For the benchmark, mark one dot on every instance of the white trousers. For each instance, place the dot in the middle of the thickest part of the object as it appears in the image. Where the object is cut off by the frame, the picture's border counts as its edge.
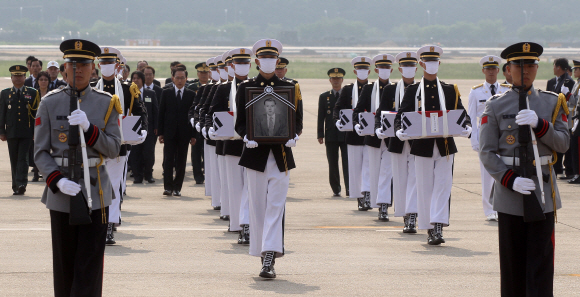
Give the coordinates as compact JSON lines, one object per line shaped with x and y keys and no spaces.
{"x":235,"y":184}
{"x":385,"y":176}
{"x":214,"y":176}
{"x":486,"y":186}
{"x":434,"y":181}
{"x":245,"y":201}
{"x":224,"y":193}
{"x":374,"y":169}
{"x":356,"y":159}
{"x":267,"y":197}
{"x":404,"y":182}
{"x":116,"y":171}
{"x":207,"y":167}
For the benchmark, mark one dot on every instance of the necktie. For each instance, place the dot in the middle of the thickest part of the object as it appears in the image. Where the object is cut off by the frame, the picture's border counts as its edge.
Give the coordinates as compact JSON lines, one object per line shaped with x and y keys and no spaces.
{"x":179,"y":94}
{"x":148,"y":88}
{"x":492,"y":88}
{"x":271,"y":126}
{"x":18,"y":93}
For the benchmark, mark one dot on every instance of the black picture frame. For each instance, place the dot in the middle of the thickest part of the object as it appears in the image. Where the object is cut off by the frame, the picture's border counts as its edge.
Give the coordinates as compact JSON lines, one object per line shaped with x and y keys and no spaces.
{"x":262,"y":102}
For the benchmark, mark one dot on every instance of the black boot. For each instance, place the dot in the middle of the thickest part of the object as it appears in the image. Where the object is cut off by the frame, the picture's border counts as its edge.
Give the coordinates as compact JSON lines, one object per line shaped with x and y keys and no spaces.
{"x":245,"y":234}
{"x":361,"y":204}
{"x":437,"y":235}
{"x":268,"y":265}
{"x":367,"y":198}
{"x":411,"y":223}
{"x":110,"y":236}
{"x":383,"y":212}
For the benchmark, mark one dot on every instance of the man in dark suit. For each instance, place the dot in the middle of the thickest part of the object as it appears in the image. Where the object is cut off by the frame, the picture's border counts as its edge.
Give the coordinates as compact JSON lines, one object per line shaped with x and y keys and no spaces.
{"x":52,"y":69}
{"x":175,"y":131}
{"x":335,"y":140}
{"x":141,"y":65}
{"x":149,"y":83}
{"x":172,"y":66}
{"x":144,"y":154}
{"x":35,"y":68}
{"x":271,"y":123}
{"x":562,"y":83}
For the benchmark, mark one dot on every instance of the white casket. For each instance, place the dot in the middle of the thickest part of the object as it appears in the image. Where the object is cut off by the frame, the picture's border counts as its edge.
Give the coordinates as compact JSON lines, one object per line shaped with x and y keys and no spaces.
{"x":131,"y":129}
{"x":388,"y":122}
{"x":366,"y":121}
{"x":345,"y":117}
{"x":223,"y":125}
{"x":412,"y":123}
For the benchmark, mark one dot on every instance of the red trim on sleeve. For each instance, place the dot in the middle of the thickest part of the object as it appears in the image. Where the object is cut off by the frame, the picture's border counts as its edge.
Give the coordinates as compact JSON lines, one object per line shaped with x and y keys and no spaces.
{"x":564,"y":118}
{"x":37,"y":121}
{"x":484,"y":120}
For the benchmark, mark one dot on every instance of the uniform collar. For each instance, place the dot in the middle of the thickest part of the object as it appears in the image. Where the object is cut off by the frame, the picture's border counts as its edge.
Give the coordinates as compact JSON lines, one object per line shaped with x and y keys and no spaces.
{"x":272,"y":81}
{"x":21,"y":88}
{"x":486,"y":84}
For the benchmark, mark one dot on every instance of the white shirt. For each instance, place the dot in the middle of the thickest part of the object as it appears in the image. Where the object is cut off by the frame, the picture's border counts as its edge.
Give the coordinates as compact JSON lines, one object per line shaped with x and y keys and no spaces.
{"x":273,"y":117}
{"x":151,"y":86}
{"x":176,"y":90}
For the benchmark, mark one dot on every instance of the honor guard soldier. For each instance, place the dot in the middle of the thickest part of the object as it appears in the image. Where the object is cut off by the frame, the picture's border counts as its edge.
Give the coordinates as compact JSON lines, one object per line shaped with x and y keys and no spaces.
{"x":267,"y":165}
{"x":281,"y":69}
{"x":197,"y":150}
{"x":358,"y":174}
{"x":78,"y":250}
{"x":379,"y":158}
{"x":572,"y":107}
{"x":109,"y":61}
{"x":328,"y":134}
{"x":433,"y":156}
{"x":238,"y":66}
{"x":403,"y":163}
{"x":520,"y":131}
{"x":18,"y":107}
{"x":478,"y":96}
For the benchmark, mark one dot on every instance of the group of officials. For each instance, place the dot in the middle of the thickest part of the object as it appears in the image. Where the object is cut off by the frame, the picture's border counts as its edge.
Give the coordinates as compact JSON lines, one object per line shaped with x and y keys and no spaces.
{"x":248,"y":177}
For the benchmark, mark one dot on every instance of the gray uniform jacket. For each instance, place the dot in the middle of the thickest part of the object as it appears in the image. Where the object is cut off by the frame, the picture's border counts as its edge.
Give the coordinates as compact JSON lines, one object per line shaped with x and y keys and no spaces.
{"x":51,"y":134}
{"x":499,"y":136}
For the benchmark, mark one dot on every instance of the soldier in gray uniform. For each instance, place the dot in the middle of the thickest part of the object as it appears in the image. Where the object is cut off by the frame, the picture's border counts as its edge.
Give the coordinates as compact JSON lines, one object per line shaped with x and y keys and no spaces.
{"x":526,"y":247}
{"x":78,"y":250}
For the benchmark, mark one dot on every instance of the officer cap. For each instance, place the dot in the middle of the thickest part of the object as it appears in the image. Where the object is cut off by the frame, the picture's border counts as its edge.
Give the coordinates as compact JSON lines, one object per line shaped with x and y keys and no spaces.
{"x":490,"y":61}
{"x":241,"y":54}
{"x":528,"y":52}
{"x":361,"y":61}
{"x":218,"y":61}
{"x":210,"y":63}
{"x":201,"y":67}
{"x":283,"y":63}
{"x":226,"y":57}
{"x":79,"y":50}
{"x":576,"y":64}
{"x":267,"y":47}
{"x":383,"y":59}
{"x":406,"y":58}
{"x":430,"y":53}
{"x":18,"y":70}
{"x":109,"y":54}
{"x":336,"y":72}
{"x":122,"y":60}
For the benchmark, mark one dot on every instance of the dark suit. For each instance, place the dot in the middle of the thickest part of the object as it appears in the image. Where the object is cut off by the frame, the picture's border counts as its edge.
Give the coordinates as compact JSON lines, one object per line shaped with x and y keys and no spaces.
{"x":28,"y":83}
{"x":55,"y":84}
{"x":177,"y":132}
{"x":156,"y":82}
{"x":333,"y":141}
{"x":157,"y":89}
{"x":143,"y":155}
{"x":280,"y":128}
{"x":555,"y":87}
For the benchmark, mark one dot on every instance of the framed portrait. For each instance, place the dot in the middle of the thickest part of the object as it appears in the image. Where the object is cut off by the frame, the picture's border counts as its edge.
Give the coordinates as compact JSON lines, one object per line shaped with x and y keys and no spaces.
{"x":270,"y":114}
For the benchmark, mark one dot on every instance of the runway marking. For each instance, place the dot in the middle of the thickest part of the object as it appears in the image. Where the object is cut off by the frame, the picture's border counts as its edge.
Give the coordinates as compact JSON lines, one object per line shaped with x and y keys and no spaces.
{"x":578,"y":275}
{"x":358,"y":227}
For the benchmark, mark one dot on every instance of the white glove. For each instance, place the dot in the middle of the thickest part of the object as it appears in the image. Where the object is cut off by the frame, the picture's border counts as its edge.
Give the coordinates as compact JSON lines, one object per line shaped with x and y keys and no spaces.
{"x":211,"y":133}
{"x":292,"y":142}
{"x":142,"y":137}
{"x":204,"y":133}
{"x":197,"y":126}
{"x":68,"y":187}
{"x":575,"y":125}
{"x":358,"y":129}
{"x":527,"y":117}
{"x":192,"y":124}
{"x":475,"y":147}
{"x":380,"y":134}
{"x":524,"y":185}
{"x":402,"y":135}
{"x":465,"y":133}
{"x":250,"y":143}
{"x":338,"y":125}
{"x":79,"y":117}
{"x":564,"y":90}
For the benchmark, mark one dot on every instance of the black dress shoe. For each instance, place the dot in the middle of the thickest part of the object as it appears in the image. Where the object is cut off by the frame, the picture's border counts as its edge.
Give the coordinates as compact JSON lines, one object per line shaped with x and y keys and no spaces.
{"x":21,"y":189}
{"x":347,"y":193}
{"x":361,"y":204}
{"x":110,"y":237}
{"x":150,"y":180}
{"x":240,"y":236}
{"x":367,"y":201}
{"x":199,"y":182}
{"x":245,"y":234}
{"x":410,"y":224}
{"x":436,"y":235}
{"x":137,"y":182}
{"x":268,"y":266}
{"x":217,"y":208}
{"x":167,"y":193}
{"x":226,"y":218}
{"x":336,"y":195}
{"x":565,"y":177}
{"x":176,"y":193}
{"x":575,"y":180}
{"x":383,"y":212}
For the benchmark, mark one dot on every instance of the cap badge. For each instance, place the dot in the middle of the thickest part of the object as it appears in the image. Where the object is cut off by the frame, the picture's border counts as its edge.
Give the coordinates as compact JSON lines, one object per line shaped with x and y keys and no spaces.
{"x":526,"y":47}
{"x":335,"y":70}
{"x":78,"y":45}
{"x":491,"y":59}
{"x":362,"y":59}
{"x":432,"y":49}
{"x":242,"y":51}
{"x":408,"y":55}
{"x":268,"y":43}
{"x":385,"y":57}
{"x":106,"y":50}
{"x":17,"y":67}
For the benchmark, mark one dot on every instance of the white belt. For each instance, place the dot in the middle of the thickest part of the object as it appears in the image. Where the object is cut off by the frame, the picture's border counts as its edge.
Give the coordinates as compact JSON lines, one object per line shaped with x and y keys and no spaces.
{"x":93,"y":162}
{"x":545,"y":160}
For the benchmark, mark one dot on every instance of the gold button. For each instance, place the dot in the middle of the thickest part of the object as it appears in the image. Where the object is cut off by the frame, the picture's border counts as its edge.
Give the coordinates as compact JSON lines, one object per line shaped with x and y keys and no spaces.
{"x":427,"y":86}
{"x":61,"y":127}
{"x":509,"y":126}
{"x":80,"y":101}
{"x":262,"y":84}
{"x":18,"y":113}
{"x":19,"y":120}
{"x":272,"y":83}
{"x":529,"y":92}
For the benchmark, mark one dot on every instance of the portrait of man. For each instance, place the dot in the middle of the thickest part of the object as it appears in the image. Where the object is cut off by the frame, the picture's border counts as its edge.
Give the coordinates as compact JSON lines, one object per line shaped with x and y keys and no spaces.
{"x":272,"y":119}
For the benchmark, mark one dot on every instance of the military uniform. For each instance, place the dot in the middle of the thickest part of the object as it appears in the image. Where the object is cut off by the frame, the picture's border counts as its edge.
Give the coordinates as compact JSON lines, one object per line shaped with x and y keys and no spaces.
{"x":358,"y":173}
{"x":333,"y":139}
{"x":17,"y":111}
{"x":528,"y":273}
{"x":197,"y":150}
{"x":78,"y":250}
{"x":555,"y":85}
{"x":477,"y":98}
{"x":574,"y":139}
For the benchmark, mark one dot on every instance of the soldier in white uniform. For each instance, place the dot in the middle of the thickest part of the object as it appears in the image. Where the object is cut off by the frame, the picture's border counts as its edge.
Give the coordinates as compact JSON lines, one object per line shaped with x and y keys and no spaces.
{"x":477,"y":98}
{"x":77,"y":250}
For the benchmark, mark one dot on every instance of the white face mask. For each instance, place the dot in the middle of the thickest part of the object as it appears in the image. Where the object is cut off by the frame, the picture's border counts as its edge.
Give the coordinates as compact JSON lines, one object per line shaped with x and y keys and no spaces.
{"x":231,"y":71}
{"x":384,"y":73}
{"x":432,"y":67}
{"x":242,"y":69}
{"x":362,"y":74}
{"x":223,"y":74}
{"x":409,"y":72}
{"x":268,"y":65}
{"x":108,"y":69}
{"x":215,"y":75}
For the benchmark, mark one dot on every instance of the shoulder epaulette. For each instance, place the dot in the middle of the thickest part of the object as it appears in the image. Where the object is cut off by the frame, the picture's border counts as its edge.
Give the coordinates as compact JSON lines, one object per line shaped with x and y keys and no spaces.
{"x":548,"y":92}
{"x":6,"y":89}
{"x":392,"y":84}
{"x":31,"y":88}
{"x":495,"y":96}
{"x":54,"y":92}
{"x":506,"y":85}
{"x":478,"y":86}
{"x":102,"y":92}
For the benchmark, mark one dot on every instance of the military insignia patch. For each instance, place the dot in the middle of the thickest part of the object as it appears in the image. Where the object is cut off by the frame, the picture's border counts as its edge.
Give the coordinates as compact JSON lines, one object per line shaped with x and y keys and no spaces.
{"x":335,"y":70}
{"x":78,"y":45}
{"x":362,"y":59}
{"x":242,"y":51}
{"x":17,"y":67}
{"x":432,"y":49}
{"x":62,"y":137}
{"x":408,"y":55}
{"x":510,"y":139}
{"x":491,"y":59}
{"x":268,"y":43}
{"x":526,"y":48}
{"x":106,"y":50}
{"x":484,"y":120}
